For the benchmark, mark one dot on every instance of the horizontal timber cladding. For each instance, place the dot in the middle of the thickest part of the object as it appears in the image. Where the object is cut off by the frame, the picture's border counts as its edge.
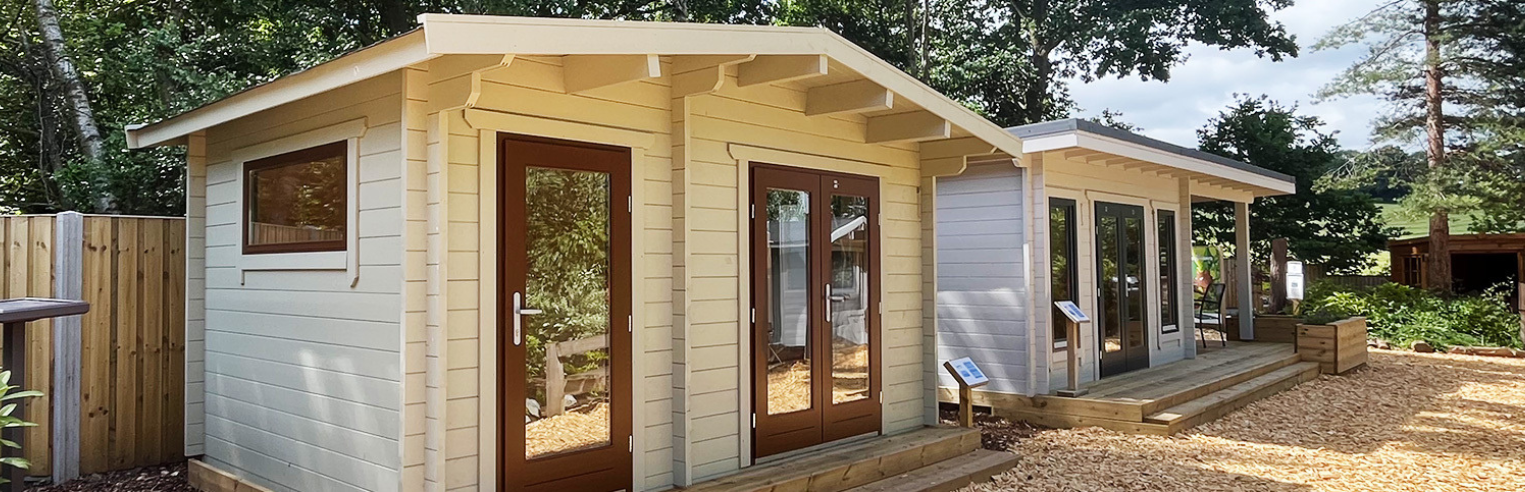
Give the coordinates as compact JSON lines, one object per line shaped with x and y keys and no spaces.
{"x":982,"y":307}
{"x":296,"y":374}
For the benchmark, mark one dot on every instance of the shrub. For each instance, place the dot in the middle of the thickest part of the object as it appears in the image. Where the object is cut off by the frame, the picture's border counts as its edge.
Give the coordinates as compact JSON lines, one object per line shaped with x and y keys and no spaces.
{"x":1401,"y":314}
{"x":8,"y":395}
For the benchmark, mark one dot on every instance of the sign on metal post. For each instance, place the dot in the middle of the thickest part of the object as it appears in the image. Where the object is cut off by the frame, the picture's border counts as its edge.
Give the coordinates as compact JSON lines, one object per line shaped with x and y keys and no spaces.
{"x":969,"y":376}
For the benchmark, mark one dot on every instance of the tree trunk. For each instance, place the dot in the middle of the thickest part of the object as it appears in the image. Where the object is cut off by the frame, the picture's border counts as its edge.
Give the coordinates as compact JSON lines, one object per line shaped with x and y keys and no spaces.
{"x":1278,"y":275}
{"x":911,"y":60}
{"x":1035,"y":99}
{"x":1440,"y":223}
{"x":68,"y":76}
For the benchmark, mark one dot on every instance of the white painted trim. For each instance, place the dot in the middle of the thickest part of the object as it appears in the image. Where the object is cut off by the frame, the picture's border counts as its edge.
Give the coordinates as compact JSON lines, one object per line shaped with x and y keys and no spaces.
{"x":348,"y":260}
{"x":488,"y":125}
{"x":487,"y":311}
{"x":1100,"y":143}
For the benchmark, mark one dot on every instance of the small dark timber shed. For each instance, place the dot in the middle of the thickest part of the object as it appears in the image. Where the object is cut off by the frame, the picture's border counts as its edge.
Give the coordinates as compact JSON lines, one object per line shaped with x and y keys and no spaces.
{"x":1478,"y":261}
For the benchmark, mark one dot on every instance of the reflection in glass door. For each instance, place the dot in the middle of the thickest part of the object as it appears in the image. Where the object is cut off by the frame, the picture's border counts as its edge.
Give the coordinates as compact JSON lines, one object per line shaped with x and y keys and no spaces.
{"x":1120,"y":288}
{"x":815,"y":292}
{"x":564,"y":287}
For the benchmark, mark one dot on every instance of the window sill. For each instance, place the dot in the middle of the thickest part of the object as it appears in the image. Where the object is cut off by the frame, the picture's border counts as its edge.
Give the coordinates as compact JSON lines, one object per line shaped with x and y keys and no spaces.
{"x":321,"y":260}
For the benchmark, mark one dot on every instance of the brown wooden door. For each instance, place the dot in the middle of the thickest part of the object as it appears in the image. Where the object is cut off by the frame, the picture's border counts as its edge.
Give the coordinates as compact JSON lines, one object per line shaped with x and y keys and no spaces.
{"x":816,"y":295}
{"x":564,"y":310}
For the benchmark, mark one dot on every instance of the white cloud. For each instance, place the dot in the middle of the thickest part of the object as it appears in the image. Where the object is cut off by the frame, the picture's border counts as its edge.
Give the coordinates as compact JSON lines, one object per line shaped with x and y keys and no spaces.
{"x":1207,"y":82}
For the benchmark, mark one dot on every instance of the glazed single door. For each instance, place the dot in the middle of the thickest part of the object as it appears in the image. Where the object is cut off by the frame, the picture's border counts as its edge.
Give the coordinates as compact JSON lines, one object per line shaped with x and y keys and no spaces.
{"x":1120,"y":288}
{"x":564,"y":311}
{"x":815,"y":299}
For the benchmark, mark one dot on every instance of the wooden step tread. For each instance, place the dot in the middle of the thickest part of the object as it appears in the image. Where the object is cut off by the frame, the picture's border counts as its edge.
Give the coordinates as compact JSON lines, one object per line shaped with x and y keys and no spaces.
{"x":1233,"y":397}
{"x":850,"y":465}
{"x":976,"y":467}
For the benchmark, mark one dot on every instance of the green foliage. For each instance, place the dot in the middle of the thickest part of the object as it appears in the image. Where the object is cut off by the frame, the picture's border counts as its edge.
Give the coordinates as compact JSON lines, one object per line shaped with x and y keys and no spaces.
{"x":8,"y":397}
{"x":1337,"y":228}
{"x":1401,"y":314}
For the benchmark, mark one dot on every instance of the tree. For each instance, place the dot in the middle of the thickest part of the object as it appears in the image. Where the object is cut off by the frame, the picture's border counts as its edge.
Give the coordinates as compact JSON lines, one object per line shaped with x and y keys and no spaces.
{"x":1450,"y":71}
{"x":1336,"y":228}
{"x":1091,"y":40}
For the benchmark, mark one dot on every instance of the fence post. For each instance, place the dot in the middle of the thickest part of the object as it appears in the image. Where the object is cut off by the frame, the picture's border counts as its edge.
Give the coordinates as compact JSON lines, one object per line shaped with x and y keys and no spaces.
{"x":68,"y":269}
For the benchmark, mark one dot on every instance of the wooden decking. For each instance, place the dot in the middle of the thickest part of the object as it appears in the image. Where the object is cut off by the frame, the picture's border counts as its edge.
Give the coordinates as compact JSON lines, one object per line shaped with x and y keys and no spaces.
{"x":929,"y":459}
{"x":1176,"y":396}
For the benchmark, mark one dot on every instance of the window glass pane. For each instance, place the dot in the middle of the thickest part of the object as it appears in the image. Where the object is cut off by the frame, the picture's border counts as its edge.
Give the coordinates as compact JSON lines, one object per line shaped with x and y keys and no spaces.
{"x":789,"y":365}
{"x":1169,"y":308}
{"x":847,"y":301}
{"x":1110,"y":276}
{"x":1133,"y":278}
{"x":1061,"y":227}
{"x":567,"y":355}
{"x":296,"y":201}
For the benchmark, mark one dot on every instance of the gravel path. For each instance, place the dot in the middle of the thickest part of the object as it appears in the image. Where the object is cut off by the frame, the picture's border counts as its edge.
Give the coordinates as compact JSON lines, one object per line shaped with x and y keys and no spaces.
{"x":1421,"y":422}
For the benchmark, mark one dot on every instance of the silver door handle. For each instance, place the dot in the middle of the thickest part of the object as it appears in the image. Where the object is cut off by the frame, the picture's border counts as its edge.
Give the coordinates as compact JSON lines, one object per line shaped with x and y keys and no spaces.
{"x":519,"y":313}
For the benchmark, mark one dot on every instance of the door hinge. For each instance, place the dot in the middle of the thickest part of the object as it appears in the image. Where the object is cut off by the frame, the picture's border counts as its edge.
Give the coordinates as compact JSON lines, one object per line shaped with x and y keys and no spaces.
{"x":630,"y":203}
{"x":753,"y":317}
{"x":754,"y":420}
{"x":630,"y":323}
{"x":632,"y":443}
{"x":754,"y":211}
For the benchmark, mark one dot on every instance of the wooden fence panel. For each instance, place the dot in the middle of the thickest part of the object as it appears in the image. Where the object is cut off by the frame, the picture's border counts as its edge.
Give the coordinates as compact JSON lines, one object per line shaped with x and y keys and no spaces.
{"x":132,"y":342}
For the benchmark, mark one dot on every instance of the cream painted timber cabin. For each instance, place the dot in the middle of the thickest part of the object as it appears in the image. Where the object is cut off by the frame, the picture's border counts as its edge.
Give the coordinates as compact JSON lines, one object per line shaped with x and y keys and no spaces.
{"x":526,"y":254}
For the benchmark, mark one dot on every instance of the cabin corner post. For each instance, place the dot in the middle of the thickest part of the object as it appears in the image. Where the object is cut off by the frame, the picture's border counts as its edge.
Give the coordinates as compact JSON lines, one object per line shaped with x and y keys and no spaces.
{"x":1039,"y":285}
{"x":195,"y":293}
{"x":1185,"y":263}
{"x":1242,"y":273}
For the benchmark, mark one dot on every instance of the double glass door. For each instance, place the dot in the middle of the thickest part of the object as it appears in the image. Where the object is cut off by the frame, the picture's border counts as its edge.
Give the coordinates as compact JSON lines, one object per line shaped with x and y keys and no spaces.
{"x":1120,"y":288}
{"x":815,"y":331}
{"x":564,"y":308}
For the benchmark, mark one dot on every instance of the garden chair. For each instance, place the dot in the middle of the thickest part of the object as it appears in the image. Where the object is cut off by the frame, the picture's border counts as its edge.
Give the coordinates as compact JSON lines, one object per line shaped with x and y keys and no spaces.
{"x":1210,"y":312}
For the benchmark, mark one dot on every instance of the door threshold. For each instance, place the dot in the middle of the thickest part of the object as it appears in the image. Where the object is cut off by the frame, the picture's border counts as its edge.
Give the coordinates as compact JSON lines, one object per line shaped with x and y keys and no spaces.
{"x":846,"y":441}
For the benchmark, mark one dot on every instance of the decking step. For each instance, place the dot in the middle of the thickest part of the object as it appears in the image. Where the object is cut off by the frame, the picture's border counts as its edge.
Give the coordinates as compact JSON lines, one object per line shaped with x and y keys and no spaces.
{"x":1146,"y":393}
{"x":1221,"y":402}
{"x":959,"y":472}
{"x":850,"y":465}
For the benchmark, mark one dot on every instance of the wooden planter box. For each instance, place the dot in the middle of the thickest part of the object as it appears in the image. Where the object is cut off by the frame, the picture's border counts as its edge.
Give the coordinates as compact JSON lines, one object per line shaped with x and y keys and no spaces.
{"x":1276,"y":328}
{"x":1337,"y":347}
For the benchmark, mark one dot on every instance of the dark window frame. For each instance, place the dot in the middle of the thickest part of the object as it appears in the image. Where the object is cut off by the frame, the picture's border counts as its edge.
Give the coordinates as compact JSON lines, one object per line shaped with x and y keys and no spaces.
{"x":1169,"y":252}
{"x":310,"y":154}
{"x":1072,"y":243}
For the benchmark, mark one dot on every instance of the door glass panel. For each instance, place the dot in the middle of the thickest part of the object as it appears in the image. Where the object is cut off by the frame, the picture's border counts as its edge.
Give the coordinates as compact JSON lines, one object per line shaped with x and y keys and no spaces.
{"x":1133,"y":262}
{"x":1108,"y":249}
{"x":788,"y":351}
{"x":848,"y":298}
{"x":567,"y":346}
{"x":1061,"y":228}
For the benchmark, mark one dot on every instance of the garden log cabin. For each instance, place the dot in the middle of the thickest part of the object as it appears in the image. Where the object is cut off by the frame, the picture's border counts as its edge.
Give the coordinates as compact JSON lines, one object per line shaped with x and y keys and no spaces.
{"x":716,"y":231}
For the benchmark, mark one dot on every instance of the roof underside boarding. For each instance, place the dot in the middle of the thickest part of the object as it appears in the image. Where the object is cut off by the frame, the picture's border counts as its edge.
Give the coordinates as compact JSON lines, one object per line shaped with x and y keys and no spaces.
{"x":838,"y":77}
{"x":1102,"y":145}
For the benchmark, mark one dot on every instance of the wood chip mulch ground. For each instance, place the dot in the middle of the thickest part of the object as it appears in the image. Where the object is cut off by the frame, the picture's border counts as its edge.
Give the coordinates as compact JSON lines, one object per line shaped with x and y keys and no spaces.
{"x":1407,"y":422}
{"x":167,"y":478}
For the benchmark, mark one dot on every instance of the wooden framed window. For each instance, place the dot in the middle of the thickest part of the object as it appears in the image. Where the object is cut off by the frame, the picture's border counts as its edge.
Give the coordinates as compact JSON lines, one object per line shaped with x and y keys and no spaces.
{"x":1064,"y":273}
{"x":297,"y":201}
{"x":1170,"y":307}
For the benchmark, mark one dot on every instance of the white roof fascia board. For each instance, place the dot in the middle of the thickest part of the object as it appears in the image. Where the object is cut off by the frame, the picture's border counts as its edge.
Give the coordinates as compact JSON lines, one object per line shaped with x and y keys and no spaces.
{"x":1129,"y":149}
{"x":381,"y":59}
{"x":1050,"y":142}
{"x":1084,"y":140}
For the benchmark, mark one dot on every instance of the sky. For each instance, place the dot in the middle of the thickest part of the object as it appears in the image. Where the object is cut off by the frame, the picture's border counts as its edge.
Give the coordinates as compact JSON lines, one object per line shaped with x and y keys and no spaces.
{"x":1206,"y":83}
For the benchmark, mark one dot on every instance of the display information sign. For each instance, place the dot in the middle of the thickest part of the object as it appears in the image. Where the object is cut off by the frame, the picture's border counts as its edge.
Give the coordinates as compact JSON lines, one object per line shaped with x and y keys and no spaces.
{"x":1295,"y":280}
{"x":1072,"y":311}
{"x":966,"y":372}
